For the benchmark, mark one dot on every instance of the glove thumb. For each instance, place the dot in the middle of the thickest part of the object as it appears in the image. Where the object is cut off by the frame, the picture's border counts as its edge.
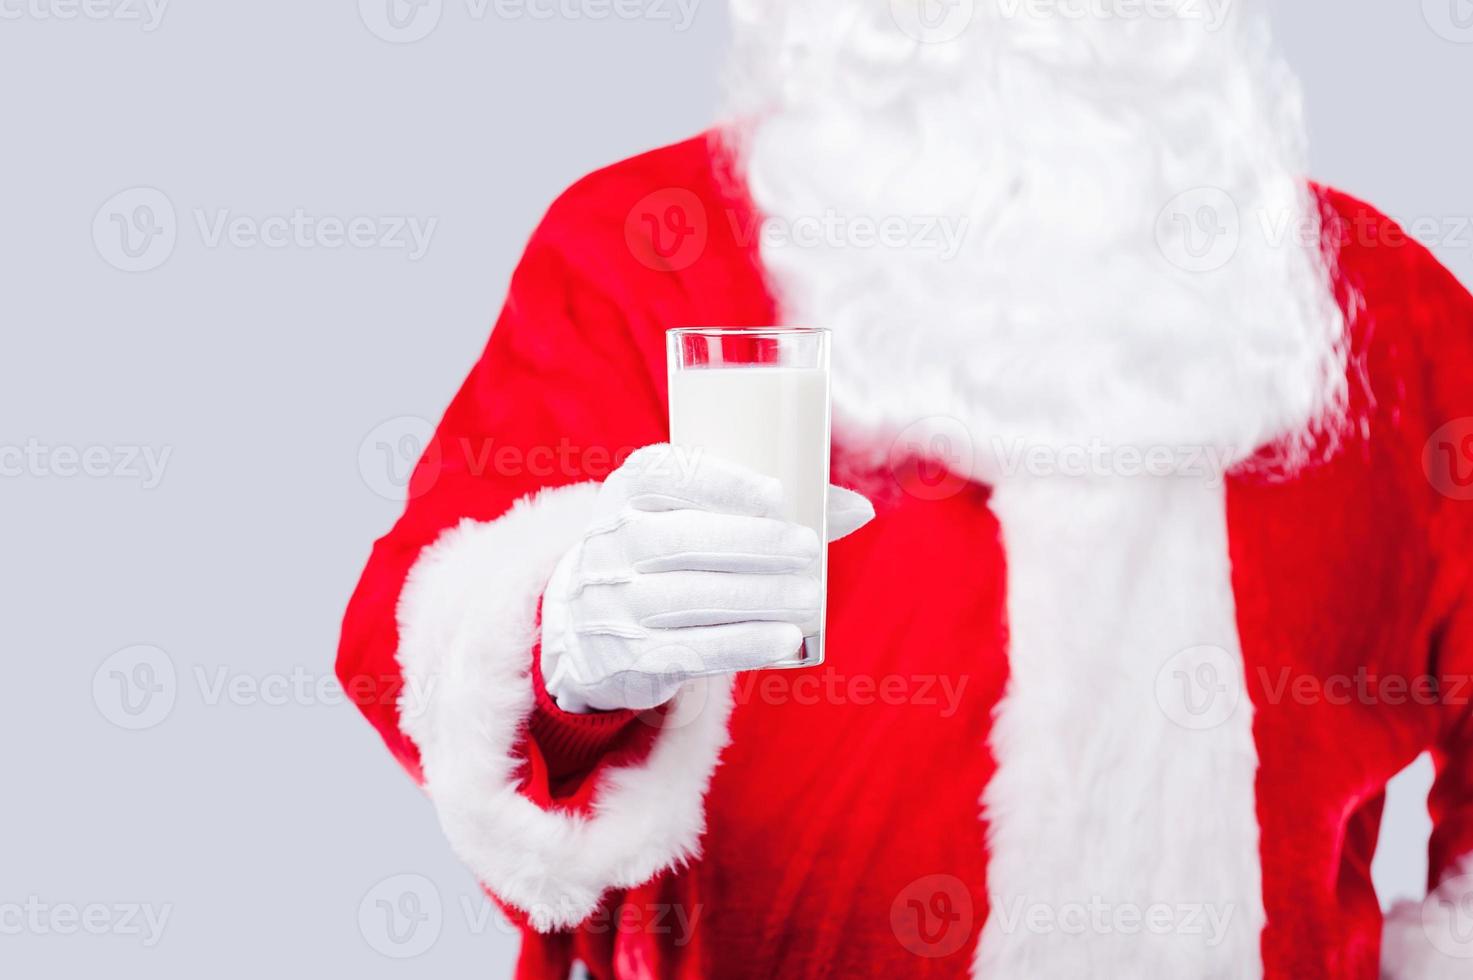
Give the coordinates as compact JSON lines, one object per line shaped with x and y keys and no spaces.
{"x":848,"y":512}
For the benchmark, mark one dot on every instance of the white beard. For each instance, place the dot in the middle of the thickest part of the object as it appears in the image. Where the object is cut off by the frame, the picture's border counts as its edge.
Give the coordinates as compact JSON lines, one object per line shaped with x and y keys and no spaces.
{"x":1058,"y":147}
{"x":1068,"y":317}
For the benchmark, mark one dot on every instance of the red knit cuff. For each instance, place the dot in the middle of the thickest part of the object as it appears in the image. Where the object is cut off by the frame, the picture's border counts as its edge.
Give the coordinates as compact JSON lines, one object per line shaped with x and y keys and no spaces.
{"x":570,"y":743}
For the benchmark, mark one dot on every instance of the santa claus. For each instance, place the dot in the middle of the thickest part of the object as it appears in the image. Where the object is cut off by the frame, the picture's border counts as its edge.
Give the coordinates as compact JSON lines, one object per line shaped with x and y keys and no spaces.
{"x":1169,"y":567}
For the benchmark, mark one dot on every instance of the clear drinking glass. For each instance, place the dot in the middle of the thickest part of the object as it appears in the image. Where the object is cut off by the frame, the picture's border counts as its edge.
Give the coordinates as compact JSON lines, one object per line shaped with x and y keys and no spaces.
{"x":760,"y":397}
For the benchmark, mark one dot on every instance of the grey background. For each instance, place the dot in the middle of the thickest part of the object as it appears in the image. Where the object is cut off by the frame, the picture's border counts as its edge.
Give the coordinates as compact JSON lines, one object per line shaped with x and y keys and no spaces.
{"x":275,"y":377}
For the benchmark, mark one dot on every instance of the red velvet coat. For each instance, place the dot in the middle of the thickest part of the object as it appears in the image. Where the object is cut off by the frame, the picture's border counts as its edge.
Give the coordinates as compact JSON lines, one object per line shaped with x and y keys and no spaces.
{"x":849,"y":827}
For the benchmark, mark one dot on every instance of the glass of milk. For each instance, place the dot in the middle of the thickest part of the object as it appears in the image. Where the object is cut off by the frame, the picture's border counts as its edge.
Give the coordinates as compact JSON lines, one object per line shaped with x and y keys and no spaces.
{"x":760,"y":397}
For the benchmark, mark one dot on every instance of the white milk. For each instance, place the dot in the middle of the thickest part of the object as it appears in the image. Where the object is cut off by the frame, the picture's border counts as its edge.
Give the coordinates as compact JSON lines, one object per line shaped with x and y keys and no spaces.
{"x":774,"y":420}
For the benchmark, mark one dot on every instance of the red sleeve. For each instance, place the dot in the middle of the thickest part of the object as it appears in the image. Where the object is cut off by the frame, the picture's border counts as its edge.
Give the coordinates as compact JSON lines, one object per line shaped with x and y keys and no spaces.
{"x":1430,"y":938}
{"x":1451,"y":801}
{"x":573,"y":744}
{"x":439,"y":645}
{"x":561,"y":395}
{"x":1446,"y":446}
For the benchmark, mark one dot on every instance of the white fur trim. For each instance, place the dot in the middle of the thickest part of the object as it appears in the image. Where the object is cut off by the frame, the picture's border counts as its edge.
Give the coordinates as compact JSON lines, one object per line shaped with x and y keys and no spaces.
{"x":467,"y":619}
{"x":1432,"y":939}
{"x":1117,"y":801}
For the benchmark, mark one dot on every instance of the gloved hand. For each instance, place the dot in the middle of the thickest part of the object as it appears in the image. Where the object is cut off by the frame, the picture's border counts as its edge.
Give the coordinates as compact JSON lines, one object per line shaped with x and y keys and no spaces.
{"x":684,"y":572}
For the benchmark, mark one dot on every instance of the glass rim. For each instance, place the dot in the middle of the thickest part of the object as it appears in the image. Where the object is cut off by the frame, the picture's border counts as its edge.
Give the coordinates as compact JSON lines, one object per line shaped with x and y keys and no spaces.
{"x":744,"y":331}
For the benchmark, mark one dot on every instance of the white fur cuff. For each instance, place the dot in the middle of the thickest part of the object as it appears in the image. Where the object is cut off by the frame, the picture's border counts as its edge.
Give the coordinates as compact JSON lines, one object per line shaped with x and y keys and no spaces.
{"x":467,"y":619}
{"x":1433,"y":939}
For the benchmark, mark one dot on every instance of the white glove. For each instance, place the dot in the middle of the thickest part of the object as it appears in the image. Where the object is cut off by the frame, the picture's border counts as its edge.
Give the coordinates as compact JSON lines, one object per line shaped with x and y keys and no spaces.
{"x":684,"y":572}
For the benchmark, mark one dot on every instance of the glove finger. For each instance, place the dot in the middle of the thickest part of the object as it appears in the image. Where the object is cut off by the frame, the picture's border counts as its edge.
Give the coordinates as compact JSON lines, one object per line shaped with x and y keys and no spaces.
{"x":668,"y":658}
{"x":848,"y":512}
{"x":669,"y":600}
{"x":698,"y":541}
{"x":664,"y":477}
{"x":636,"y":690}
{"x":700,"y":651}
{"x":605,"y":672}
